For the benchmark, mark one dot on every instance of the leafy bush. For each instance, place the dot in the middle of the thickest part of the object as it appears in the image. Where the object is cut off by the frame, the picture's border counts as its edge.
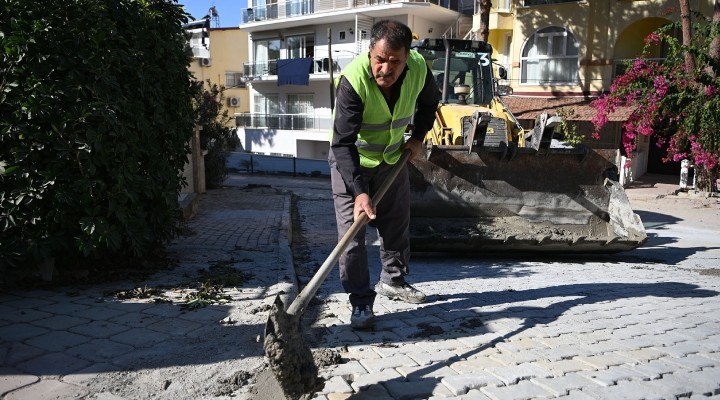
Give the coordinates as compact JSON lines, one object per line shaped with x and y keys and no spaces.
{"x":216,"y":137}
{"x":95,"y":118}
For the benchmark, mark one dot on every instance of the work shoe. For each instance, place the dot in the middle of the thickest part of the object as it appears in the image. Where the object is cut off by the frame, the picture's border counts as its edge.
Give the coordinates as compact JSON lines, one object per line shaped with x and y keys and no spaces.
{"x":403,"y":292}
{"x":362,"y":317}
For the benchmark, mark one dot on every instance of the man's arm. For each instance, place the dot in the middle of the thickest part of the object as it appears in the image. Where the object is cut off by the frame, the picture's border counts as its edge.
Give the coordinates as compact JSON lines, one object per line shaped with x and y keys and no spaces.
{"x":426,"y":107}
{"x":348,"y":120}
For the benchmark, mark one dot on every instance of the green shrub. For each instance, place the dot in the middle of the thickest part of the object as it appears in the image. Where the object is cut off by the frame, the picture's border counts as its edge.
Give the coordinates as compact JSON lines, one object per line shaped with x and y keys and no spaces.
{"x":95,"y":118}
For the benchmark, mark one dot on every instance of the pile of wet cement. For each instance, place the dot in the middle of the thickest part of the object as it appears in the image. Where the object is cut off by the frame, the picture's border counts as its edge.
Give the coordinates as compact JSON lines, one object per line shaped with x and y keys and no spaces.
{"x":291,"y":361}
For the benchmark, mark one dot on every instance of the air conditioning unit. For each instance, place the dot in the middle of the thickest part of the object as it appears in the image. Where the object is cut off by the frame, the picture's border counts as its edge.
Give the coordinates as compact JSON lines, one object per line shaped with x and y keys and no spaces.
{"x":205,"y":62}
{"x":234,"y":101}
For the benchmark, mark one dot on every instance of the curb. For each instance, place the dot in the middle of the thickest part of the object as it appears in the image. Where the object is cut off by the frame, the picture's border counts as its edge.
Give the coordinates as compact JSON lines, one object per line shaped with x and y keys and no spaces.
{"x":287,"y":285}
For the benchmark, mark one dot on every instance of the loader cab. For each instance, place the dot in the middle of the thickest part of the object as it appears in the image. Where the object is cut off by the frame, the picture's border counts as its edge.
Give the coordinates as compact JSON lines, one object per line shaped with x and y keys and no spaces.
{"x":461,"y":68}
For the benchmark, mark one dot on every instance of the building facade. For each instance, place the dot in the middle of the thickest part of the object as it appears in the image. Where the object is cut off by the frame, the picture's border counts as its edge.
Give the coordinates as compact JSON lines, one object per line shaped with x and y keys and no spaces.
{"x":219,"y":55}
{"x":560,"y":55}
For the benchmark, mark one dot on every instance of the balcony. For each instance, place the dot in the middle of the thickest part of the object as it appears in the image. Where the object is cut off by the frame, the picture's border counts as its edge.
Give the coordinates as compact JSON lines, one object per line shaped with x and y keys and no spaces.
{"x":267,"y":70}
{"x":294,"y":8}
{"x":290,"y":122}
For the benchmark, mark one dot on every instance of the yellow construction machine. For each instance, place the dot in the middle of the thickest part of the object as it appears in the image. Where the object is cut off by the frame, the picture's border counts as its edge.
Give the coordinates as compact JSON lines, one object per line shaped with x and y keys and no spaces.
{"x":486,"y":184}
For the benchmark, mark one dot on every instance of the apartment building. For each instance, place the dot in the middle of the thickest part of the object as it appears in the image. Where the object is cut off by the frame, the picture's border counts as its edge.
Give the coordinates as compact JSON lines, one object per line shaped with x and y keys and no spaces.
{"x":219,"y":55}
{"x":297,"y":47}
{"x":560,"y":55}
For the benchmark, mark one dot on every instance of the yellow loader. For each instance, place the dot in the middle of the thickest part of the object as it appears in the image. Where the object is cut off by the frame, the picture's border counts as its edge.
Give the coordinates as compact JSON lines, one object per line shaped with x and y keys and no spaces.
{"x":488,"y":185}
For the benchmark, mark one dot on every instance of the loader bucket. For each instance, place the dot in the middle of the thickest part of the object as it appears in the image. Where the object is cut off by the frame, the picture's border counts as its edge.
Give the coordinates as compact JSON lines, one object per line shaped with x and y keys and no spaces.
{"x":557,"y":200}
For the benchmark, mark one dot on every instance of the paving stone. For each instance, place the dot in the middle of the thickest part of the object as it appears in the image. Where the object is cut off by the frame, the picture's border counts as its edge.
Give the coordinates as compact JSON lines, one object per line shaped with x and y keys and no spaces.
{"x":626,"y":390}
{"x":515,"y":358}
{"x":402,"y":390}
{"x":562,"y":367}
{"x":380,"y":364}
{"x":705,"y":382}
{"x":512,"y":374}
{"x":389,"y":350}
{"x":57,"y":340}
{"x":654,"y":369}
{"x":671,"y":386}
{"x":436,"y":371}
{"x":427,"y":358}
{"x":134,"y":319}
{"x":474,"y":394}
{"x":83,"y":376}
{"x":11,"y":379}
{"x":46,"y":390}
{"x":336,"y":385}
{"x":371,"y":392}
{"x":15,"y":315}
{"x":462,"y":383}
{"x":521,"y":391}
{"x":20,"y":332}
{"x":99,"y":350}
{"x":139,"y":337}
{"x":30,"y":300}
{"x":474,"y":364}
{"x":562,"y":353}
{"x":65,"y":307}
{"x":612,"y":375}
{"x":53,"y":364}
{"x":642,"y":355}
{"x":363,"y":381}
{"x":605,"y":361}
{"x":98,"y":329}
{"x":12,"y":353}
{"x":100,"y":313}
{"x":175,"y":326}
{"x":60,"y":322}
{"x":693,"y":362}
{"x":562,"y":385}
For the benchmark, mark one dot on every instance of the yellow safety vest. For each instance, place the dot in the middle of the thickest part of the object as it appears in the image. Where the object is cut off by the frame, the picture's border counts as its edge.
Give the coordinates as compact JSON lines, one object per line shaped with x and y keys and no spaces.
{"x":381,"y":134}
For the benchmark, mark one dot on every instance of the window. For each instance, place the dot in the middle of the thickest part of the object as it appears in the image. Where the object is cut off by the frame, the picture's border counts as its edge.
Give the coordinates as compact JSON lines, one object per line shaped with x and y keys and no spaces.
{"x":550,"y":56}
{"x":302,"y":110}
{"x":503,"y":5}
{"x":267,"y":52}
{"x":266,"y":110}
{"x":529,"y":3}
{"x":300,"y":46}
{"x":234,"y":79}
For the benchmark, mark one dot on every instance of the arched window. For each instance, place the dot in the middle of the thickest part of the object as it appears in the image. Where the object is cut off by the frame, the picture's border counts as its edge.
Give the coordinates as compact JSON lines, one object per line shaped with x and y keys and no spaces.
{"x":550,"y":57}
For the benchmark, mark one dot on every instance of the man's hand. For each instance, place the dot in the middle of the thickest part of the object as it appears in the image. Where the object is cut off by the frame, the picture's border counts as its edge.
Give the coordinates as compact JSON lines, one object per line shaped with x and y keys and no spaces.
{"x":363,"y":203}
{"x":415,"y":146}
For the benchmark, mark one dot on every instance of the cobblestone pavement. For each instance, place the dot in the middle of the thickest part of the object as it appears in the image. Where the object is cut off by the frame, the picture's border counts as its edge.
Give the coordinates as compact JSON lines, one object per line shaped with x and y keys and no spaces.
{"x":85,"y":342}
{"x":635,"y":325}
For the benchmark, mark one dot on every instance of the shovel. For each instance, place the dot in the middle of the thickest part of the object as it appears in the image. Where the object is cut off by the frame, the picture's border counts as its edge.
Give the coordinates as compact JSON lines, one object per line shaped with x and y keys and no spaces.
{"x":290,"y":358}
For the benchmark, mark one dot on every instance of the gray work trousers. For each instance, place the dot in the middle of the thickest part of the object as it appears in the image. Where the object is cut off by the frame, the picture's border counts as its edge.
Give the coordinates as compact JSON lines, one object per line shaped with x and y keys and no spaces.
{"x":392,"y":223}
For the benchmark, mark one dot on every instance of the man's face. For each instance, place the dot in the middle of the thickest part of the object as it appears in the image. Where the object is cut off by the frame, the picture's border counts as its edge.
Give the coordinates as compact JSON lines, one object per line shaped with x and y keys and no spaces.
{"x":386,"y":64}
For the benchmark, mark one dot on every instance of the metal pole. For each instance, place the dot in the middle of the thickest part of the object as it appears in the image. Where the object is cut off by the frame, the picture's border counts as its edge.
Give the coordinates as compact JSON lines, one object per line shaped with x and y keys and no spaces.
{"x":330,"y":65}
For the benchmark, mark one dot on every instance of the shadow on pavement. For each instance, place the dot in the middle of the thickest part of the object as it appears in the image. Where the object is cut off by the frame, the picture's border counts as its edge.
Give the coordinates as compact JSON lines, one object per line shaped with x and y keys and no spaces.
{"x":461,"y":304}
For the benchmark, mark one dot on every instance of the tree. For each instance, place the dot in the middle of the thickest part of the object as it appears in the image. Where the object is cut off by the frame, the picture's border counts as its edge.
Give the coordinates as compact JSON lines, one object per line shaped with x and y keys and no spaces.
{"x":675,"y":100}
{"x":95,"y":119}
{"x":484,"y":29}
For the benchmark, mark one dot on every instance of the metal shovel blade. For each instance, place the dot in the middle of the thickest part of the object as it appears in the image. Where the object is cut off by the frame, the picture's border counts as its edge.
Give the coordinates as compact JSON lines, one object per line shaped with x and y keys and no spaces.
{"x":291,"y":360}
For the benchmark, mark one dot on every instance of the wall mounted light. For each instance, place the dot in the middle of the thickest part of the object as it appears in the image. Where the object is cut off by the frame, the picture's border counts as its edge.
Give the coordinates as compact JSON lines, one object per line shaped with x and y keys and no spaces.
{"x":352,"y":31}
{"x":430,"y":30}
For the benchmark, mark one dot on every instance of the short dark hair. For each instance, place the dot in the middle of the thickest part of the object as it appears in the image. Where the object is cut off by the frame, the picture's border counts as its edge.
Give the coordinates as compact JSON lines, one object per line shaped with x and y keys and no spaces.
{"x":397,"y":34}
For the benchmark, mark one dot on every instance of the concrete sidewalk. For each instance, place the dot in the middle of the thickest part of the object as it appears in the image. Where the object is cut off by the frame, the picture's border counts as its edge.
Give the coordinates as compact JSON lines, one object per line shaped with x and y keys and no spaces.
{"x":86,"y":342}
